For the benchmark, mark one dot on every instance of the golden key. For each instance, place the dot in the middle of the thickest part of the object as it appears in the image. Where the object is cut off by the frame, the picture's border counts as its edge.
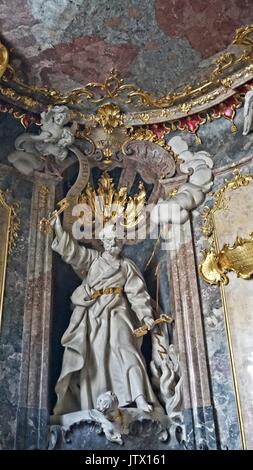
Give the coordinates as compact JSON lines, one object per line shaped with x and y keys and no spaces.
{"x":45,"y":224}
{"x":144,"y":329}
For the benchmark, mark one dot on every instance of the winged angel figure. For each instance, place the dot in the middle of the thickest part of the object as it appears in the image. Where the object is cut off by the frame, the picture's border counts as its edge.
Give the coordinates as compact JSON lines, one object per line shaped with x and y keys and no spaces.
{"x":56,"y":136}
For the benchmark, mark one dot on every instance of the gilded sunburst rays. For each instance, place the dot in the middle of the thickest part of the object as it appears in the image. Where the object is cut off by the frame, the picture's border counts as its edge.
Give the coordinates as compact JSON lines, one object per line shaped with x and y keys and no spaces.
{"x":109,"y":204}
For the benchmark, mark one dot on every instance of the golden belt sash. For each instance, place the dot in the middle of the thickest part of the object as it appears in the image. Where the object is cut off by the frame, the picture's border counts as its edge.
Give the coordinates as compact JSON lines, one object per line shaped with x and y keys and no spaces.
{"x":106,"y":291}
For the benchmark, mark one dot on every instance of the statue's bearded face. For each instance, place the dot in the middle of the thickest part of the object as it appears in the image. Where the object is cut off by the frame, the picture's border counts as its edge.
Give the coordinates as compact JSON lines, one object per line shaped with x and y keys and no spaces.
{"x":111,"y":245}
{"x":108,"y":236}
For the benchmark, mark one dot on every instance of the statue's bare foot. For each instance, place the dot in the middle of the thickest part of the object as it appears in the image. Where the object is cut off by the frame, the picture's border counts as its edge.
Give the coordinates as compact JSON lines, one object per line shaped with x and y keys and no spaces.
{"x":143,"y":404}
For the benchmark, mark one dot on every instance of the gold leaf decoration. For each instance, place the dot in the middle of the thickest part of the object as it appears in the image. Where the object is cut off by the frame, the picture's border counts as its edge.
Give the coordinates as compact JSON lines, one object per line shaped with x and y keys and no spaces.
{"x":109,"y":204}
{"x":4,"y":59}
{"x":109,"y":117}
{"x":237,"y":258}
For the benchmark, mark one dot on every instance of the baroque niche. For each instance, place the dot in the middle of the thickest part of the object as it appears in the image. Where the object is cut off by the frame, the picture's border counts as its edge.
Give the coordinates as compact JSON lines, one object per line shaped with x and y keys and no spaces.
{"x":101,"y":148}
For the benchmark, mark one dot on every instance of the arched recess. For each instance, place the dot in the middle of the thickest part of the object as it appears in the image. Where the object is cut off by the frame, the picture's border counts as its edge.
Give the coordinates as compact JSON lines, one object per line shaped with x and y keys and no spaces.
{"x":34,"y":405}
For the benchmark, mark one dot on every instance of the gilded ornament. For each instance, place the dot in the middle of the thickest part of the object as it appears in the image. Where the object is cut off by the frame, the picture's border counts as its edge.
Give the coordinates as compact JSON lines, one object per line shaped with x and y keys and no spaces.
{"x":210,"y":269}
{"x":109,"y":204}
{"x":186,"y":107}
{"x":143,"y":330}
{"x":115,"y":88}
{"x":145,"y":133}
{"x":144,"y":117}
{"x":227,"y":82}
{"x":26,"y":101}
{"x":189,"y":99}
{"x":4,"y":58}
{"x":215,"y":264}
{"x":237,"y":258}
{"x":244,"y":36}
{"x":107,"y":152}
{"x":239,"y":180}
{"x":46,"y":223}
{"x":9,"y":228}
{"x":207,"y":225}
{"x":173,"y":193}
{"x":109,"y":117}
{"x":224,"y":61}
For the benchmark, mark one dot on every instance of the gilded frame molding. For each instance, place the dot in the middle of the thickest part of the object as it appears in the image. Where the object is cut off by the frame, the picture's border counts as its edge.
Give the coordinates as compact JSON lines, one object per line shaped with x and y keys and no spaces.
{"x":213,"y":273}
{"x":9,"y":227}
{"x":217,"y":262}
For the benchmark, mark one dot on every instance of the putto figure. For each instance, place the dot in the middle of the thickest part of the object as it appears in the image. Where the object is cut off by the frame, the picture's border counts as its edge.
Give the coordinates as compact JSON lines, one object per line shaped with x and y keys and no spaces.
{"x":101,"y":352}
{"x":54,"y":140}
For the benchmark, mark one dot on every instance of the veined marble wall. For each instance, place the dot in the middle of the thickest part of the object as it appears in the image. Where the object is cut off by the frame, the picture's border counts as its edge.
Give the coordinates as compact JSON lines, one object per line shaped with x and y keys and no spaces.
{"x":216,"y":342}
{"x":19,"y":190}
{"x":226,"y":148}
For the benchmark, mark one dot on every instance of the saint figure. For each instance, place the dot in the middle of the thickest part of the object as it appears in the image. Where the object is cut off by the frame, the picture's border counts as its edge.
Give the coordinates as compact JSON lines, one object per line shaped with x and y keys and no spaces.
{"x":101,"y":353}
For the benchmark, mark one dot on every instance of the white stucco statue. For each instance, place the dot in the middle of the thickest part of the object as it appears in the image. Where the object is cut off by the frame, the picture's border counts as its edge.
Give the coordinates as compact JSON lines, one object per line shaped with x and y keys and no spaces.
{"x":55,"y":138}
{"x":101,"y":352}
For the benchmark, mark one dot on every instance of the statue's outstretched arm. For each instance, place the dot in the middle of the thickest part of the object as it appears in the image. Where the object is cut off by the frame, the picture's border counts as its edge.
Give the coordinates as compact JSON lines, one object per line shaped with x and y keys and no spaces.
{"x":79,"y":257}
{"x":56,"y":224}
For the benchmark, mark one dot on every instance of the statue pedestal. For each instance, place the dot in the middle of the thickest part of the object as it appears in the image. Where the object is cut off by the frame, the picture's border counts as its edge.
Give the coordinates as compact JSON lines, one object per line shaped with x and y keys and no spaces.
{"x":88,"y":433}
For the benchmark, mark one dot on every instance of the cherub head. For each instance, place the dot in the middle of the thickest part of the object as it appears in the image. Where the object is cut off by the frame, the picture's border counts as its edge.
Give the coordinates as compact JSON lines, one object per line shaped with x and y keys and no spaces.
{"x":108,"y":404}
{"x":61,"y":115}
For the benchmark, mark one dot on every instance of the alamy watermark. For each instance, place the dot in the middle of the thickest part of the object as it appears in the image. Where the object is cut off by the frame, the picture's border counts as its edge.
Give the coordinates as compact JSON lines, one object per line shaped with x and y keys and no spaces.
{"x":132,"y":225}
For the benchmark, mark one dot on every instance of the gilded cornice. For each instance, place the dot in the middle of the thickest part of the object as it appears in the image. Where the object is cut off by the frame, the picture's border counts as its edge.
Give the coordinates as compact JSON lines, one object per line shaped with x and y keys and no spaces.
{"x":230,"y":70}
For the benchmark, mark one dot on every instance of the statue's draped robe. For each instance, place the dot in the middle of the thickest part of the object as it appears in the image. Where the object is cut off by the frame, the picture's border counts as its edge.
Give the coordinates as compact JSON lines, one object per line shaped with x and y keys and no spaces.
{"x":101,"y":353}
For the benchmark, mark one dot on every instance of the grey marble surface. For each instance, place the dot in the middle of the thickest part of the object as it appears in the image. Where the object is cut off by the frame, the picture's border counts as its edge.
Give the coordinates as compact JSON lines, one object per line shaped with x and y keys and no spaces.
{"x":200,"y":420}
{"x":12,"y":322}
{"x":29,"y":421}
{"x":216,"y":341}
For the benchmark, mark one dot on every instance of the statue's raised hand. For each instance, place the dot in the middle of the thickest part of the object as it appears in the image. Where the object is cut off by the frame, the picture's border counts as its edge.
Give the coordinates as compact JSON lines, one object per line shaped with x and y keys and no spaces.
{"x":149,"y":322}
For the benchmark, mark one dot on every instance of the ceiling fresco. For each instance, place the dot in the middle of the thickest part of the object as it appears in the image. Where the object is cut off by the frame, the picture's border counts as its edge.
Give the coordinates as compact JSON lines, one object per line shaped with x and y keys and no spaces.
{"x":157,"y":44}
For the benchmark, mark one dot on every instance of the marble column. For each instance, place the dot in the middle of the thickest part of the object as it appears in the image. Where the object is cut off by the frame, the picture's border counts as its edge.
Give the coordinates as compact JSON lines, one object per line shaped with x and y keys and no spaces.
{"x":198,"y":409}
{"x":32,"y":416}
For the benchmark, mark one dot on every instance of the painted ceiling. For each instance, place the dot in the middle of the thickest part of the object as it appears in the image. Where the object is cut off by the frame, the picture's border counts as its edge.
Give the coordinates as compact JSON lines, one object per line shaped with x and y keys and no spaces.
{"x":158,"y":44}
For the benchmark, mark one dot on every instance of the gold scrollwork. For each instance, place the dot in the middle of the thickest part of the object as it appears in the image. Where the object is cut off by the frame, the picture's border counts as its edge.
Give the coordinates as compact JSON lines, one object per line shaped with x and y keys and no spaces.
{"x":238,"y":180}
{"x":130,"y":93}
{"x":244,"y":36}
{"x":237,"y":258}
{"x":144,"y":133}
{"x":9,"y":227}
{"x":224,"y":74}
{"x":4,"y":59}
{"x":213,"y":267}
